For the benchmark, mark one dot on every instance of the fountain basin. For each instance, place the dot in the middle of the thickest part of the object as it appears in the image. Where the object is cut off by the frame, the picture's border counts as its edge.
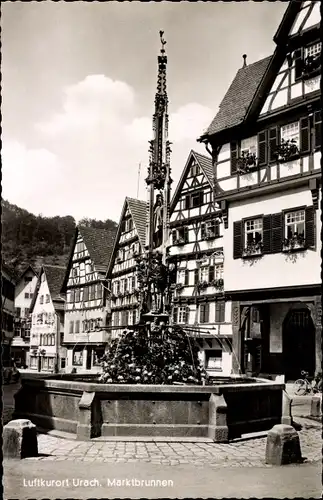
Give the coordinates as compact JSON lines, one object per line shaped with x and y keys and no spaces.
{"x":222,"y":411}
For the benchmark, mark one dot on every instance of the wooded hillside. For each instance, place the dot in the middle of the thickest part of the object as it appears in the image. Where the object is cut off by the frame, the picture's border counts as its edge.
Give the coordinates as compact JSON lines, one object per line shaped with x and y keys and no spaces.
{"x":30,"y":239}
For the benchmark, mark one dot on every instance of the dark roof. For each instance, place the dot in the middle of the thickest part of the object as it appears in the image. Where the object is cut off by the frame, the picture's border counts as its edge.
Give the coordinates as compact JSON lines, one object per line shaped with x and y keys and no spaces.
{"x":99,"y":243}
{"x":55,"y":276}
{"x":138,"y":209}
{"x":238,"y":98}
{"x":205,"y":163}
{"x":29,"y":267}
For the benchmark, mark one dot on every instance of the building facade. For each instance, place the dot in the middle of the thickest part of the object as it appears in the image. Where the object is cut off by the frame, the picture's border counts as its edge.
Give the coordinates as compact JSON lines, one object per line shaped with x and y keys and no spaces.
{"x":87,"y":305}
{"x":7,"y":311}
{"x":24,"y":291}
{"x":129,"y":243}
{"x":266,"y":147}
{"x":196,"y":246}
{"x":47,"y":322}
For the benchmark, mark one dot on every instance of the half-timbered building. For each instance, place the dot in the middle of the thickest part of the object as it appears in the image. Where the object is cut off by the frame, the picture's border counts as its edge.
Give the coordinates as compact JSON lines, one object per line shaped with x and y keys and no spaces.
{"x":47,"y":324}
{"x":129,"y":244}
{"x":87,"y":307}
{"x":196,"y":246}
{"x":24,"y":292}
{"x":266,"y":147}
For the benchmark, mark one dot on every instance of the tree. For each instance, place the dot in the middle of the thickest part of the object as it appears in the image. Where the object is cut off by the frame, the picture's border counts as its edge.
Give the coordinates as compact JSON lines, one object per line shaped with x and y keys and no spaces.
{"x":164,"y":356}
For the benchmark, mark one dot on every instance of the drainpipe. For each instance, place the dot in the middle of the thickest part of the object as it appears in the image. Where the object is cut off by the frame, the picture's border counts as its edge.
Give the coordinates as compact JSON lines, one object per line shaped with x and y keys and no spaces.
{"x":56,"y":367}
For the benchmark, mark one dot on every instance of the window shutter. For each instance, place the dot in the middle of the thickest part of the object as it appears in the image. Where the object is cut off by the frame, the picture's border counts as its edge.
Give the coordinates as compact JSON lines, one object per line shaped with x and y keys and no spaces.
{"x":196,"y":276}
{"x":317,"y":129}
{"x":234,"y":157}
{"x":175,"y":314}
{"x":237,"y":239}
{"x":174,"y":233}
{"x":310,"y":226}
{"x":187,"y":312}
{"x":219,"y":311}
{"x":217,"y":228}
{"x":298,"y":58}
{"x":277,"y":232}
{"x":305,"y":135}
{"x":186,"y":238}
{"x":206,"y":313}
{"x":86,"y":294}
{"x":187,"y":202}
{"x":266,"y":233}
{"x":262,"y":148}
{"x":187,"y":277}
{"x":201,"y":197}
{"x":222,"y":312}
{"x":273,"y":143}
{"x":203,"y":230}
{"x":211,"y":273}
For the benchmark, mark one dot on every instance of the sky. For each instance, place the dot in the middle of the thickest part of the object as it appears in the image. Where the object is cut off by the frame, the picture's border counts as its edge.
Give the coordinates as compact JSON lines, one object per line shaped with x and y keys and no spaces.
{"x":78,"y":88}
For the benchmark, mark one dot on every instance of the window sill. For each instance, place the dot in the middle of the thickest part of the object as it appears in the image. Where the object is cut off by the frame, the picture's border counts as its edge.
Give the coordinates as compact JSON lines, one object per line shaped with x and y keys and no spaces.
{"x":252,"y":255}
{"x":296,"y":248}
{"x":291,"y":158}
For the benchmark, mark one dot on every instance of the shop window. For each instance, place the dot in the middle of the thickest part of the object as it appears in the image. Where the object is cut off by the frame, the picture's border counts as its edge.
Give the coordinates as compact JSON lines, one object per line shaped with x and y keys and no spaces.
{"x":77,"y":358}
{"x":213,"y":359}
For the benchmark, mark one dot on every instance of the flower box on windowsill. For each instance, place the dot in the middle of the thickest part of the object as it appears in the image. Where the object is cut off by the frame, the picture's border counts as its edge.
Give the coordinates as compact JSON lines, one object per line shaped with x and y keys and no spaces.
{"x":252,"y":250}
{"x":295,"y":244}
{"x":219,"y":283}
{"x":209,"y":235}
{"x":179,"y":241}
{"x":287,"y":151}
{"x":247,"y":163}
{"x":202,"y":285}
{"x":312,"y":66}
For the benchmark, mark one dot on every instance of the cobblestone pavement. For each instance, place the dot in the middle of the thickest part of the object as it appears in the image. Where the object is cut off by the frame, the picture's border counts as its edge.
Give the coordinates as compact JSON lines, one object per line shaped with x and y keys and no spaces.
{"x":242,"y":453}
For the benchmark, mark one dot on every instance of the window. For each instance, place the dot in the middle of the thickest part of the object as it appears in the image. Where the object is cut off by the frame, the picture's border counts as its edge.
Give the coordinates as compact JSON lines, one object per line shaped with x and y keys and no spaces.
{"x":77,"y":326}
{"x":187,"y":277}
{"x":204,"y":273}
{"x":313,"y":50}
{"x":218,"y":272}
{"x":220,"y":312}
{"x":17,"y":312}
{"x":75,"y":272}
{"x":98,"y":291}
{"x":47,"y":298}
{"x":98,"y":353}
{"x":180,"y":235}
{"x":41,"y":299}
{"x":28,"y":279}
{"x":86,"y":294}
{"x":204,"y":313}
{"x":77,"y":358}
{"x":197,"y":199}
{"x":295,"y":224}
{"x":129,"y":225}
{"x":26,"y":313}
{"x":26,"y":295}
{"x":255,"y":315}
{"x":71,"y":326}
{"x":77,"y":295}
{"x":133,"y":282}
{"x":253,"y":232}
{"x":195,"y":170}
{"x":181,"y":276}
{"x":249,"y":145}
{"x":210,"y":229}
{"x":213,"y":359}
{"x":290,"y":132}
{"x":134,"y":316}
{"x":33,"y":361}
{"x":116,"y":318}
{"x":182,"y":314}
{"x":17,"y":332}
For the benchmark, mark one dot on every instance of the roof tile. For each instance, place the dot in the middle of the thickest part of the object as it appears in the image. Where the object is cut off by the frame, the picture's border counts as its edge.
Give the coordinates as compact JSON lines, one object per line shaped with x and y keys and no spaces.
{"x":205,"y":163}
{"x":238,"y":98}
{"x":138,"y":209}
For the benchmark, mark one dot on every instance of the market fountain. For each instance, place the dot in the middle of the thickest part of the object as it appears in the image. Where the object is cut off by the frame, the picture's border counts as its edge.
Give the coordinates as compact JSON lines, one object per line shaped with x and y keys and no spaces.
{"x":152,"y":384}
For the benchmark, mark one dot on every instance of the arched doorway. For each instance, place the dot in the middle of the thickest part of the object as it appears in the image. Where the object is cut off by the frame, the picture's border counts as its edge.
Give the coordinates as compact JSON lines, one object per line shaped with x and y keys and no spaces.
{"x":298,"y":343}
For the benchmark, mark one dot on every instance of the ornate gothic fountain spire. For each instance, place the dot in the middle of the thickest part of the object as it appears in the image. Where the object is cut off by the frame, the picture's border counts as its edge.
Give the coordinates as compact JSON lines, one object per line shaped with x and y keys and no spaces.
{"x":153,"y":273}
{"x":158,"y":180}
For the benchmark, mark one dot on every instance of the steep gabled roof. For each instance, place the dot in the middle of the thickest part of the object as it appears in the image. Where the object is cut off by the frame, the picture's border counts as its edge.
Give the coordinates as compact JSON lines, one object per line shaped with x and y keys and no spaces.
{"x":29,"y":267}
{"x":138,"y":210}
{"x":238,"y":98}
{"x":99,"y":243}
{"x":54,"y":277}
{"x":204,"y":162}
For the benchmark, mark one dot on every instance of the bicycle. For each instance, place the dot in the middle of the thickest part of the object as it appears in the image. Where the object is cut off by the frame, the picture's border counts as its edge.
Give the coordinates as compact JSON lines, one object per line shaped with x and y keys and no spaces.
{"x":304,"y":386}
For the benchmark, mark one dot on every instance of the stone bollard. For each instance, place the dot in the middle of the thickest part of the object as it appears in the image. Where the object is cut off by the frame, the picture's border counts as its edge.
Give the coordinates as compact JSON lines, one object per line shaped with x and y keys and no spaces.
{"x":287,"y":409}
{"x":20,"y":439}
{"x":283,"y":446}
{"x":316,"y":406}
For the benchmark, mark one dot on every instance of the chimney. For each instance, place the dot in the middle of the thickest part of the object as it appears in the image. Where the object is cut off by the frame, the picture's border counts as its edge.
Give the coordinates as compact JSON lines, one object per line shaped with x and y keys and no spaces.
{"x":244,"y":60}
